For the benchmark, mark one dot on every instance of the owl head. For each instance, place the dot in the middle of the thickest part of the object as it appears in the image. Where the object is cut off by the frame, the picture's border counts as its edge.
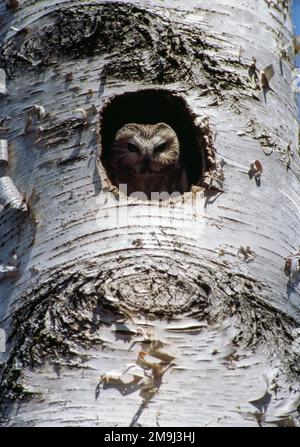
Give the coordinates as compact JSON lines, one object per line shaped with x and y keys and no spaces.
{"x":144,"y":148}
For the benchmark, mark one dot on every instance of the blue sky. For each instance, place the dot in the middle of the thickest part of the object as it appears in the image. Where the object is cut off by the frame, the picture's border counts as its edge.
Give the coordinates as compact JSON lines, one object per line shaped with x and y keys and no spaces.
{"x":296,"y":15}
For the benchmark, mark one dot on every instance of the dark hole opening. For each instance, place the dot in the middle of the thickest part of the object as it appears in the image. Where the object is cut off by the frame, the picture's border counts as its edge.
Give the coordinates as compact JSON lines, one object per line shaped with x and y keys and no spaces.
{"x":152,"y":107}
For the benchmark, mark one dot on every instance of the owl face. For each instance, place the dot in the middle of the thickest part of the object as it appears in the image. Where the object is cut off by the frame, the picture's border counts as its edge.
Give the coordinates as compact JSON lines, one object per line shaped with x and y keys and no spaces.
{"x":146,"y":148}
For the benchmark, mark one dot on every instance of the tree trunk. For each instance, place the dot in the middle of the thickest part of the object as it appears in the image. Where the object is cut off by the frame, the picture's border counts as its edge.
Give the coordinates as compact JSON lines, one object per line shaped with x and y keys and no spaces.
{"x":120,"y":311}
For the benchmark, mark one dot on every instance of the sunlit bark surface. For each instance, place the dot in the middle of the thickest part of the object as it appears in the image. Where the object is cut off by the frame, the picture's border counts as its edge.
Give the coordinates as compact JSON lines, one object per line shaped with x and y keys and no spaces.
{"x":133,"y":313}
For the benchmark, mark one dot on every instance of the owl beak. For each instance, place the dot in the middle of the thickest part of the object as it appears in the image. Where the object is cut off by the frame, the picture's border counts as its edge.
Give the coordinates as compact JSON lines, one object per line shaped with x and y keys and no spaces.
{"x":147,"y":159}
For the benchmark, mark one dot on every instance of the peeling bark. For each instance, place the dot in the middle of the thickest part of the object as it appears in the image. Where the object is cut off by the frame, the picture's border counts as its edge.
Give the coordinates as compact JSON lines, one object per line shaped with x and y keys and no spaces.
{"x":124,"y":312}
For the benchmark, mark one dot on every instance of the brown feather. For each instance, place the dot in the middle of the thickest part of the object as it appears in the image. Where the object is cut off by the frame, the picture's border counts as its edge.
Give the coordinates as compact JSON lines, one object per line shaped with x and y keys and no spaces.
{"x":146,"y":157}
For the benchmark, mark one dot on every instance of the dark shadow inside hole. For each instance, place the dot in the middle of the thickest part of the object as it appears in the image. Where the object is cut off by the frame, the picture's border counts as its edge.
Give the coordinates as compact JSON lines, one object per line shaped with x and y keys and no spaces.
{"x":151,"y":107}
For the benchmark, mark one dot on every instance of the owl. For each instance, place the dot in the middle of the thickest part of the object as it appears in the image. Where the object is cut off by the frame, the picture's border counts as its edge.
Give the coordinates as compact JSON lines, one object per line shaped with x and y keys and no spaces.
{"x":146,"y":157}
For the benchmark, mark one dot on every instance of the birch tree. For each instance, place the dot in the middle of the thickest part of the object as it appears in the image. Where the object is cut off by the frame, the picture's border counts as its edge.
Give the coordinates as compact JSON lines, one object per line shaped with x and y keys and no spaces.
{"x":118,"y":311}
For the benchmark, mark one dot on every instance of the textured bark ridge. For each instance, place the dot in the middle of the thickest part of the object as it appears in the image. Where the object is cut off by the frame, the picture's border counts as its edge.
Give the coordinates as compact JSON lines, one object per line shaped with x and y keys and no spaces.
{"x":63,"y":323}
{"x":142,"y":46}
{"x":120,"y":306}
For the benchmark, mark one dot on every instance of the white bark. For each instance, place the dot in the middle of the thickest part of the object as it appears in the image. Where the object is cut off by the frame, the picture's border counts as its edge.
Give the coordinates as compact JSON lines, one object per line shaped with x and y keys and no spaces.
{"x":88,"y":291}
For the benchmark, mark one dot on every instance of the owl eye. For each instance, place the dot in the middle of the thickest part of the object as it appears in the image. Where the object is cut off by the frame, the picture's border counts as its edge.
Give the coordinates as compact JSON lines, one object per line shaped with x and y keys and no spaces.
{"x":160,"y":148}
{"x":133,"y":148}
